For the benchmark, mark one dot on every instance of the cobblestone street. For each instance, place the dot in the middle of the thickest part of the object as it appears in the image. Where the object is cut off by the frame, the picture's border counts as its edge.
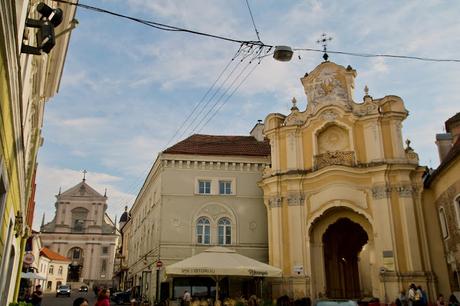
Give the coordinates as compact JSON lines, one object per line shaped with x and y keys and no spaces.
{"x":50,"y":299}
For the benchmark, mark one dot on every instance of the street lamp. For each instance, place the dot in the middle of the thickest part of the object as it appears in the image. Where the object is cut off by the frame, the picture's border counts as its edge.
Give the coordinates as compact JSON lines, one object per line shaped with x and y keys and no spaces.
{"x":283,"y":53}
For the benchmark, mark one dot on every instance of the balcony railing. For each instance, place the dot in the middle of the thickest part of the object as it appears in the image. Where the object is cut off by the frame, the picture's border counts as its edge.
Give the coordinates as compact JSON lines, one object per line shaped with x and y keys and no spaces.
{"x":345,"y":158}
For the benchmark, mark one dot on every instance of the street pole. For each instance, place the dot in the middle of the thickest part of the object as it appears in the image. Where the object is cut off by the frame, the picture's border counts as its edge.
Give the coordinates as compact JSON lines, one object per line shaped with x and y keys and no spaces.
{"x":157,"y":295}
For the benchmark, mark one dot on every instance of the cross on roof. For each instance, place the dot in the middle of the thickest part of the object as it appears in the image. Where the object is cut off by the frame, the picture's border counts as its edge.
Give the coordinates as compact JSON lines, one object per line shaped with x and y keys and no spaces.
{"x":84,"y":174}
{"x":323,"y":41}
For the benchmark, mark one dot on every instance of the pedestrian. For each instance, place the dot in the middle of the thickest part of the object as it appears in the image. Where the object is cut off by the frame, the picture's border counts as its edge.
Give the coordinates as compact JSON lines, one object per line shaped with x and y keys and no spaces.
{"x":80,"y":302}
{"x":411,"y":295}
{"x":37,"y":296}
{"x":440,"y":300}
{"x":453,"y":300}
{"x":103,"y":298}
{"x":423,"y":296}
{"x":187,"y":298}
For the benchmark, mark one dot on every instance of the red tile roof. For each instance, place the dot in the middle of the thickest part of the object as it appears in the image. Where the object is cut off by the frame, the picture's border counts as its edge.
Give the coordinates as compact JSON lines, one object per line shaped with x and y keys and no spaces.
{"x":198,"y":144}
{"x":53,"y":255}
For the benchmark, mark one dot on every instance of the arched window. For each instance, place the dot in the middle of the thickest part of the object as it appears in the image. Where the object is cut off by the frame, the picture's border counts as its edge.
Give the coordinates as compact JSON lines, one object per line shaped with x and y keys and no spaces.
{"x":75,"y":254}
{"x":442,"y":219}
{"x":224,"y":231}
{"x":203,"y":231}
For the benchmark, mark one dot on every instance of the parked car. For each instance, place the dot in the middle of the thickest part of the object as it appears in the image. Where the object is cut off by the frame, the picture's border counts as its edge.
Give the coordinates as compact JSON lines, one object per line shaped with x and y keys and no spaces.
{"x":121,"y":297}
{"x":83,"y":289}
{"x":63,"y":290}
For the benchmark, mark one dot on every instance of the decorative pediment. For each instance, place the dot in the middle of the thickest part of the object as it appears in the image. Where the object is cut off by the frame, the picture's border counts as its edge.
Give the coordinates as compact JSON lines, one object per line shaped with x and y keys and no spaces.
{"x":329,"y":84}
{"x":81,"y":190}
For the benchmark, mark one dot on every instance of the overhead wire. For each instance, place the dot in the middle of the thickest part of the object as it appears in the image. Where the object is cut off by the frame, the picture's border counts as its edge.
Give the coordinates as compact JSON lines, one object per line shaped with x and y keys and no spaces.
{"x":252,"y":18}
{"x":213,"y":107}
{"x":216,"y":91}
{"x":204,"y":96}
{"x":166,"y":27}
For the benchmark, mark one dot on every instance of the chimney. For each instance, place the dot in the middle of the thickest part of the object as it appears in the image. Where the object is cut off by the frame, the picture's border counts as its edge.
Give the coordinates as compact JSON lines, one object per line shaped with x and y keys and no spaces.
{"x":444,"y":143}
{"x":453,"y":127}
{"x":257,"y":131}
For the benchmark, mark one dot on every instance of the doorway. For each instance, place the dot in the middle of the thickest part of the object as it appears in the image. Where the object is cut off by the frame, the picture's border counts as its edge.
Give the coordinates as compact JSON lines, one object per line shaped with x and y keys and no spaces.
{"x":342,"y":244}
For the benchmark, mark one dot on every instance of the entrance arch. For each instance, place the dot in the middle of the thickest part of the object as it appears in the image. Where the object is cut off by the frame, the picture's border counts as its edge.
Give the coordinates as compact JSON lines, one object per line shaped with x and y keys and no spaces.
{"x":342,"y":244}
{"x":341,"y":254}
{"x":76,"y":266}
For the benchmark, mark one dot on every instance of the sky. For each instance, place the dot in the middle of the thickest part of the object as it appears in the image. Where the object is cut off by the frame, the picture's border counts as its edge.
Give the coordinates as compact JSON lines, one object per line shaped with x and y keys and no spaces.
{"x":127,"y":89}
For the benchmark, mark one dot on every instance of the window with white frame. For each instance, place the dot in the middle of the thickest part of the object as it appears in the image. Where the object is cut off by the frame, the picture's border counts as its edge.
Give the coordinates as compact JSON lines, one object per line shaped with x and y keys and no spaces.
{"x":224,"y":231}
{"x":203,"y":231}
{"x":442,"y":219}
{"x":225,"y":187}
{"x":60,"y":270}
{"x":204,"y":187}
{"x":51,"y":269}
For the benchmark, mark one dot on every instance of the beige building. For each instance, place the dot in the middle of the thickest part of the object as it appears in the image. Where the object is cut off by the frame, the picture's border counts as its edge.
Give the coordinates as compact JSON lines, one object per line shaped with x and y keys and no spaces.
{"x":344,"y":197}
{"x":199,"y":193}
{"x":442,"y":188}
{"x":82,"y":231}
{"x":55,"y":267}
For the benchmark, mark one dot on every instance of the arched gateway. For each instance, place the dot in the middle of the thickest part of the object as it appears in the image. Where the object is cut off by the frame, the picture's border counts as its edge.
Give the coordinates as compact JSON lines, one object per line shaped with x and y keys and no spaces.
{"x":343,"y":196}
{"x":343,"y":242}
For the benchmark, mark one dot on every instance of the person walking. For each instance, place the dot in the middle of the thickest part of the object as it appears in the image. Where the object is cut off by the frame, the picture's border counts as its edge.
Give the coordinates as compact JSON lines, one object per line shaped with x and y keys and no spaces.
{"x":187,"y":298}
{"x":37,"y":296}
{"x":103,"y":298}
{"x":80,"y":302}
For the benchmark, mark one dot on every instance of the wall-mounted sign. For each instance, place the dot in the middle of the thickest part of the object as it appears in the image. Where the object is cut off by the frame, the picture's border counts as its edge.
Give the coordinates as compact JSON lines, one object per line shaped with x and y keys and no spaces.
{"x":29,"y":258}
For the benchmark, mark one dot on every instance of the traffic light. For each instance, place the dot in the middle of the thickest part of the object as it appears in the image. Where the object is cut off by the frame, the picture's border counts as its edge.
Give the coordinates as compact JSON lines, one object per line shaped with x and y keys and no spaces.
{"x":46,"y":39}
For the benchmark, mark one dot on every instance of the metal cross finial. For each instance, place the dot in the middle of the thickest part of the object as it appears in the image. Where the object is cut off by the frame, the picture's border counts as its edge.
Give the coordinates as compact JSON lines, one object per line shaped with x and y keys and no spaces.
{"x":323,"y":41}
{"x":84,"y":174}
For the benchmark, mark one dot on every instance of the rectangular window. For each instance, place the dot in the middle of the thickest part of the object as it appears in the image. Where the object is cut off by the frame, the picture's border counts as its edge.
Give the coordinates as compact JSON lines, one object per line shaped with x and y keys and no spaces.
{"x":225,"y":187}
{"x":105,"y":250}
{"x":51,"y":270}
{"x":204,"y":187}
{"x":104,"y":266}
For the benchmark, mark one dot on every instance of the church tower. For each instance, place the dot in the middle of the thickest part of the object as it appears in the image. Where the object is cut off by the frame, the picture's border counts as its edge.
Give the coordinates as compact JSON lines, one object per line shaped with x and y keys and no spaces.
{"x":343,"y":196}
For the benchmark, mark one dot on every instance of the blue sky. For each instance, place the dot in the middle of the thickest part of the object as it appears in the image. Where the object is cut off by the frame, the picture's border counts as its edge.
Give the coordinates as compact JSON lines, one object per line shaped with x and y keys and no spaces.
{"x":126,"y":87}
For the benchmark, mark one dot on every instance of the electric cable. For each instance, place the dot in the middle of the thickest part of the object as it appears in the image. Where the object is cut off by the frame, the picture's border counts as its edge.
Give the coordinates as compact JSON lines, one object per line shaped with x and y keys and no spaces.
{"x":228,"y":98}
{"x":204,"y":96}
{"x":252,"y":18}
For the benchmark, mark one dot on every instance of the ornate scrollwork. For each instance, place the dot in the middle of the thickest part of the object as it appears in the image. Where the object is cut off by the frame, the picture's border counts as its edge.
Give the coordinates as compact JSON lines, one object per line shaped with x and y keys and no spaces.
{"x":275,"y":202}
{"x":295,"y":199}
{"x":344,"y":158}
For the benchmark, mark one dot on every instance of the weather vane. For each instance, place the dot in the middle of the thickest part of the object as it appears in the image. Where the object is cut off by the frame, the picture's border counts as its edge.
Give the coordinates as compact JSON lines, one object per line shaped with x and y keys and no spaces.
{"x":323,"y":41}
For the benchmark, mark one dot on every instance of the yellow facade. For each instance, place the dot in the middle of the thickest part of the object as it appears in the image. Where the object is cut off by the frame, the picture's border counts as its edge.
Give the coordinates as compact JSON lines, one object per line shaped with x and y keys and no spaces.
{"x":27,"y":81}
{"x":344,"y":197}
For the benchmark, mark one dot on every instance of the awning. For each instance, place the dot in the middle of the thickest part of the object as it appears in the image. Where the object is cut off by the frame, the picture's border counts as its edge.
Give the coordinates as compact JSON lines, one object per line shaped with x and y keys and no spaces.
{"x":32,"y":275}
{"x":220,"y":261}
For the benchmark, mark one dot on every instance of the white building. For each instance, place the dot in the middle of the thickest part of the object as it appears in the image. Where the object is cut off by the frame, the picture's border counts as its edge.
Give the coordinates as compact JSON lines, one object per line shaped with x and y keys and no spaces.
{"x":199,"y":193}
{"x":82,"y":231}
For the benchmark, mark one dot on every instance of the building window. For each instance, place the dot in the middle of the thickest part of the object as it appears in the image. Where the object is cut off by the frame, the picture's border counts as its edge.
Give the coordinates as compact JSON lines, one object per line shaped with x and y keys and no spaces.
{"x":225,"y":187}
{"x":203,"y":231}
{"x":51,"y":269}
{"x":204,"y":187}
{"x":224,"y":228}
{"x":442,"y":219}
{"x":105,"y":250}
{"x":104,"y":266}
{"x":457,"y":210}
{"x":60,"y":270}
{"x":3,"y":190}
